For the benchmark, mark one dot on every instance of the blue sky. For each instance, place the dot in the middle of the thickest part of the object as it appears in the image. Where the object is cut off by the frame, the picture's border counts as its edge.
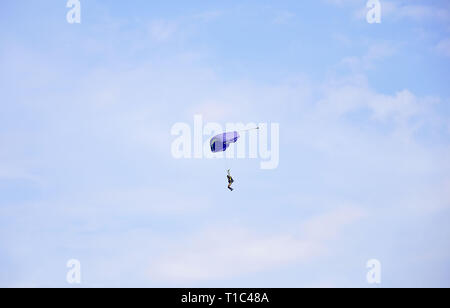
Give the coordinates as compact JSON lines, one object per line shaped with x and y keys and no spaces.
{"x":86,"y":170}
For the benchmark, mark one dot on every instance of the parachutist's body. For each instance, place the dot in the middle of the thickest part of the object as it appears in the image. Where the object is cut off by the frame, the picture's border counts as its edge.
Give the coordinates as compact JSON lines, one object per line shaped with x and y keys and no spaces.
{"x":230,"y":180}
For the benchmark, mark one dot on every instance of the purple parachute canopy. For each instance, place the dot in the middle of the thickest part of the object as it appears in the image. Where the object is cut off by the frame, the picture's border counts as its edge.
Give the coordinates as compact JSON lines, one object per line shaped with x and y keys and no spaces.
{"x":221,"y":142}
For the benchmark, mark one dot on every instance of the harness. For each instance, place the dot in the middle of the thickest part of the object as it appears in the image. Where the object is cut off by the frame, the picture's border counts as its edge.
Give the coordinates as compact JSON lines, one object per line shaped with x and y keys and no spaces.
{"x":230,"y":179}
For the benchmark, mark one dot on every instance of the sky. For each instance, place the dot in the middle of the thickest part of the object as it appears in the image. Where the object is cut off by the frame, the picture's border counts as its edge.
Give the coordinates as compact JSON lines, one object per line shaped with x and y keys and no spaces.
{"x":87,"y":173}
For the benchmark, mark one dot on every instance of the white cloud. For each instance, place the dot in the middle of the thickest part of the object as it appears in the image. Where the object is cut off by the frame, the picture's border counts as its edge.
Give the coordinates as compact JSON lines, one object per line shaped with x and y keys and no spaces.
{"x":224,"y":252}
{"x":348,"y":95}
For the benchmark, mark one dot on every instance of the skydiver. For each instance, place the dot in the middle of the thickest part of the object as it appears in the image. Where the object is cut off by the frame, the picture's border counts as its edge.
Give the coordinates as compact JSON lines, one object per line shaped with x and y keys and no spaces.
{"x":230,"y":180}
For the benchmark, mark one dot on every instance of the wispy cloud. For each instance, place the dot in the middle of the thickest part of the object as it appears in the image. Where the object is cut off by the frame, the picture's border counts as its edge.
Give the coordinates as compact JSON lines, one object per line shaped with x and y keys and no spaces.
{"x":209,"y":16}
{"x":283,"y":17}
{"x":224,"y":252}
{"x":162,"y":30}
{"x":9,"y":172}
{"x":376,"y":52}
{"x":443,"y":47}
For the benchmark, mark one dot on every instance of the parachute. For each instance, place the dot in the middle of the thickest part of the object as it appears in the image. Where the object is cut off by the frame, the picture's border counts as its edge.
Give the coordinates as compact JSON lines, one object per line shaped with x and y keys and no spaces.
{"x":220,"y":143}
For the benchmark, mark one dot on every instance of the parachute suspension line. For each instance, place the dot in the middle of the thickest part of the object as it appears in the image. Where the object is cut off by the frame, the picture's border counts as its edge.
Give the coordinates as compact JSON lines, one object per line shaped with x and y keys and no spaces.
{"x":228,"y":163}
